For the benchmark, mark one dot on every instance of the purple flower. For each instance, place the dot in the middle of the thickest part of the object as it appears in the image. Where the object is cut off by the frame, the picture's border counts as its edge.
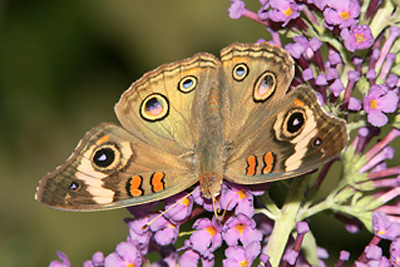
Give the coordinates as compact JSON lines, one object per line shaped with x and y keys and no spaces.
{"x":383,"y":227}
{"x":354,"y":104}
{"x":64,"y":261}
{"x":342,"y":13}
{"x":332,"y":73}
{"x":241,"y":257}
{"x":392,"y":80}
{"x":295,"y":49}
{"x":97,"y":260}
{"x":237,"y":195}
{"x":283,"y":11}
{"x":334,"y":58}
{"x":320,"y":4}
{"x":344,"y":255}
{"x":380,"y":99}
{"x":166,"y":232}
{"x":357,"y":38}
{"x":321,"y":80}
{"x":371,"y":74}
{"x":208,"y":235}
{"x":308,"y":74}
{"x":126,"y":254}
{"x":395,"y":252}
{"x":180,"y":211}
{"x":205,"y":202}
{"x":142,"y":210}
{"x":191,"y":258}
{"x":240,"y":228}
{"x":336,"y":87}
{"x":237,"y":9}
{"x":139,"y":233}
{"x":291,"y":256}
{"x":373,"y":252}
{"x":169,"y":257}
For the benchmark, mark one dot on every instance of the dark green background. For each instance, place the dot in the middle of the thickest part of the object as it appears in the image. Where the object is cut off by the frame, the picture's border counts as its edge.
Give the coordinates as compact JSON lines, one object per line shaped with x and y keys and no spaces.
{"x":63,"y":66}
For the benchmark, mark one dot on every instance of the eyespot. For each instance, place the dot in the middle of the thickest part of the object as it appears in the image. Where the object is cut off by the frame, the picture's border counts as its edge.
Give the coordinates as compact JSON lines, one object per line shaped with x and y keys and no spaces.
{"x":294,"y":122}
{"x":264,"y":87}
{"x":240,"y":71}
{"x":154,"y":107}
{"x":187,"y":84}
{"x":106,"y":157}
{"x":73,"y":186}
{"x":317,"y":142}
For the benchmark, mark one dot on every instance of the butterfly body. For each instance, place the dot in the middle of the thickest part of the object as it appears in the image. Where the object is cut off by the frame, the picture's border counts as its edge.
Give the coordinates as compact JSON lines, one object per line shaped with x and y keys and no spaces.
{"x":203,"y":120}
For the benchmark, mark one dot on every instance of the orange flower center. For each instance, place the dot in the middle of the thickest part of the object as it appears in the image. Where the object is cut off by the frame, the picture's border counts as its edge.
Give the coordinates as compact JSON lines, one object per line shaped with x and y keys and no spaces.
{"x":243,"y":263}
{"x":240,"y":227}
{"x":288,"y":12}
{"x":130,"y":265}
{"x":241,"y":194}
{"x":211,"y":230}
{"x":186,"y":202}
{"x":345,"y":15}
{"x":373,"y":104}
{"x":360,"y":38}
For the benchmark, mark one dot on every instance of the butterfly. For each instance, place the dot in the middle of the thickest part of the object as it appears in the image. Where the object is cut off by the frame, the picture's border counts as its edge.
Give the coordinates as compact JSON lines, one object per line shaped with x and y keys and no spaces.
{"x":199,"y":120}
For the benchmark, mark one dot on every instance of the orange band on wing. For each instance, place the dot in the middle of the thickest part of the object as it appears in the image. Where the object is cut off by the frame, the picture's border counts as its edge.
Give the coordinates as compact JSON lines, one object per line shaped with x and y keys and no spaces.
{"x":103,"y":139}
{"x":251,"y":165}
{"x":269,"y":162}
{"x":298,"y":103}
{"x":157,"y":182}
{"x":134,"y":186}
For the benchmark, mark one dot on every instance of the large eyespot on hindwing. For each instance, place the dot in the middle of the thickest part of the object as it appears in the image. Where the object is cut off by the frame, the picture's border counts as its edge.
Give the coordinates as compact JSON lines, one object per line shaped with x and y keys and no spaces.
{"x":294,"y":122}
{"x":240,"y":71}
{"x":290,"y":124}
{"x":187,"y":84}
{"x":106,"y":157}
{"x":154,"y":107}
{"x":264,"y":87}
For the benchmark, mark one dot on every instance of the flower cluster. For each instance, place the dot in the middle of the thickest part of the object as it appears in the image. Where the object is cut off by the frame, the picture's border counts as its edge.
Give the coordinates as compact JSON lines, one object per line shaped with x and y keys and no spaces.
{"x":347,"y":51}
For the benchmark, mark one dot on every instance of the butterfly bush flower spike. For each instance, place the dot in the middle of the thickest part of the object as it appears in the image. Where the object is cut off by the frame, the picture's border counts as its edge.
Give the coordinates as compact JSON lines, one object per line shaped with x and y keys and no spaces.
{"x":345,"y":55}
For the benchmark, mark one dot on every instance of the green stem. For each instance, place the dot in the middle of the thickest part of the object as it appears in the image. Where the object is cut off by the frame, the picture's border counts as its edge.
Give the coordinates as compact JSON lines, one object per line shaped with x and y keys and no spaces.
{"x":286,"y":221}
{"x":313,"y":210}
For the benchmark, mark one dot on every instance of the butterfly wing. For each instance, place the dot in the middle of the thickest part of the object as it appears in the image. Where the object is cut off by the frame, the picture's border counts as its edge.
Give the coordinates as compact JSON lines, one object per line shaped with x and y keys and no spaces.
{"x":271,"y":135}
{"x":255,"y":77}
{"x":153,"y":156}
{"x":112,"y":168}
{"x":162,"y":108}
{"x":294,"y":139}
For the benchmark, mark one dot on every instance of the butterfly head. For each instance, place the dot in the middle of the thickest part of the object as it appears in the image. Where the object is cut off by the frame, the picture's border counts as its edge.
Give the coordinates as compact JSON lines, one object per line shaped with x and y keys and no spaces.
{"x":210,"y":185}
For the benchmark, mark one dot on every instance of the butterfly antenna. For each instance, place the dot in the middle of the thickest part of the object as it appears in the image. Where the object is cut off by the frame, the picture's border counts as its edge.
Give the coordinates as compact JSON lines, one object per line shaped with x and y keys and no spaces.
{"x":165,"y":211}
{"x":225,"y":210}
{"x":214,"y":202}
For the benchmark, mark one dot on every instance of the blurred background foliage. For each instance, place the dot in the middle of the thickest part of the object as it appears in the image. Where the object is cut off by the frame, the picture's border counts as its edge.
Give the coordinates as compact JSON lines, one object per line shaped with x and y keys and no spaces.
{"x":63,"y":66}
